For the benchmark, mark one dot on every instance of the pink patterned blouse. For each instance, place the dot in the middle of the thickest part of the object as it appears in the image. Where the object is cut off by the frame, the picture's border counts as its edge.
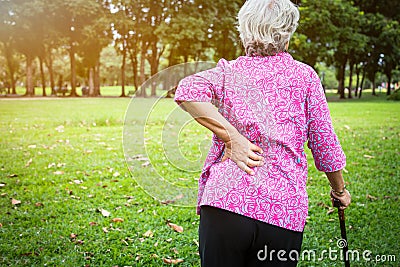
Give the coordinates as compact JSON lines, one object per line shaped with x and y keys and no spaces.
{"x":278,"y":104}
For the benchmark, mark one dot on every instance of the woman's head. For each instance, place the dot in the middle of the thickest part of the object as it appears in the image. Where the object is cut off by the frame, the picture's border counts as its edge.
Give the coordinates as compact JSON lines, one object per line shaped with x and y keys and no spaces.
{"x":265,"y":26}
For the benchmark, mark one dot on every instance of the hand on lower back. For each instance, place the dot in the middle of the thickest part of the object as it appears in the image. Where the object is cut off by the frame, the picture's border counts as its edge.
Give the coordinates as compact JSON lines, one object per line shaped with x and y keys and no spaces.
{"x":243,"y":153}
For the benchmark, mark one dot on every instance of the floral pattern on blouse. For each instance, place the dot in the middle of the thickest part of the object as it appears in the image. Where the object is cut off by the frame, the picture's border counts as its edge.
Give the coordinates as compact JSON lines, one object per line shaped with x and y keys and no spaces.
{"x":277,"y":103}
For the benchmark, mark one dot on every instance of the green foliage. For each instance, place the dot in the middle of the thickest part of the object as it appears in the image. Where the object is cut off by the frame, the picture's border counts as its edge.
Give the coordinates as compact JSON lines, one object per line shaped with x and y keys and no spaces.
{"x":78,"y":167}
{"x":150,"y":35}
{"x":395,"y":96}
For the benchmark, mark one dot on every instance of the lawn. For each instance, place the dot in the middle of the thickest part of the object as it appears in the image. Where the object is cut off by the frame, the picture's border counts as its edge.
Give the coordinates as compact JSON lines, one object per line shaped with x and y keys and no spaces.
{"x":67,"y":197}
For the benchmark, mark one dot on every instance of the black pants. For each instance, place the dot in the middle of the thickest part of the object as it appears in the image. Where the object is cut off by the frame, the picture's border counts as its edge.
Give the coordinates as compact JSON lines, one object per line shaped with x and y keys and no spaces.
{"x":228,"y":239}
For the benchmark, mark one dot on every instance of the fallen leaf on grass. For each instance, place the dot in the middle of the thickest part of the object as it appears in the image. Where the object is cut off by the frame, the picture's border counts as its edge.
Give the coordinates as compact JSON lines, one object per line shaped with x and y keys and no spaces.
{"x":170,"y":201}
{"x":39,"y":204}
{"x":148,"y":233}
{"x":30,"y":254}
{"x":368,"y":157}
{"x":1,"y":225}
{"x":105,"y":230}
{"x":172,"y":261}
{"x":322,"y":204}
{"x":177,"y":228}
{"x":15,"y":201}
{"x":60,"y":129}
{"x":105,"y":213}
{"x":13,"y":175}
{"x":28,"y":163}
{"x":78,"y":181}
{"x":32,"y":146}
{"x":2,"y":185}
{"x":73,"y":236}
{"x":175,"y":250}
{"x":147,"y":163}
{"x":140,"y":158}
{"x":330,"y":211}
{"x":58,"y":172}
{"x":371,"y":197}
{"x":118,"y":220}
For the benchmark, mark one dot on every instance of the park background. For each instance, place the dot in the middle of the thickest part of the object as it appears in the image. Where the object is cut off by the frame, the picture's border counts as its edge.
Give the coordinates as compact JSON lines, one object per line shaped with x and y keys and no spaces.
{"x":67,"y":197}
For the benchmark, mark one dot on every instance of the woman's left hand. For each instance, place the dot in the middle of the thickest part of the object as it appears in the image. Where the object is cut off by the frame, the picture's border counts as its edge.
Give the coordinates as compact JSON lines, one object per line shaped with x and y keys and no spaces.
{"x":243,"y":153}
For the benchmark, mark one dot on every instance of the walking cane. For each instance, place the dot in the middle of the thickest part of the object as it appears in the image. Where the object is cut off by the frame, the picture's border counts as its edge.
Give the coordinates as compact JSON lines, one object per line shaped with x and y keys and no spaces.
{"x":336,"y":203}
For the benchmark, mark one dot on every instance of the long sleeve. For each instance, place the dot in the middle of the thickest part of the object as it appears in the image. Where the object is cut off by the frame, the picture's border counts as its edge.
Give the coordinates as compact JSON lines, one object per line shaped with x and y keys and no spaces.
{"x":322,"y":139}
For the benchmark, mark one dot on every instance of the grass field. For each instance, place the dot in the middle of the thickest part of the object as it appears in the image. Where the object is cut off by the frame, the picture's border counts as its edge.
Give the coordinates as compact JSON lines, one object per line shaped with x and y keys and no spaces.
{"x":62,"y":170}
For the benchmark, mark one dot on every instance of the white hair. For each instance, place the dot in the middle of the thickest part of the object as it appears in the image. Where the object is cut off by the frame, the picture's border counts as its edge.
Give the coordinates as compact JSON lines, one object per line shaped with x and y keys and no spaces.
{"x":266,"y":26}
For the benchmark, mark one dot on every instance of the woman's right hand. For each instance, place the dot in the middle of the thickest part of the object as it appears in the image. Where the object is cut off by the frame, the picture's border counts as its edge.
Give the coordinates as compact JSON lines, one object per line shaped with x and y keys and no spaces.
{"x":243,"y":153}
{"x":345,"y":198}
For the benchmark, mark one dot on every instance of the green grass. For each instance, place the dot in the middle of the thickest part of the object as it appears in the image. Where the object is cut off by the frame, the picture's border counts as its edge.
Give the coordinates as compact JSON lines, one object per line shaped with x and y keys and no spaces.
{"x":77,"y":167}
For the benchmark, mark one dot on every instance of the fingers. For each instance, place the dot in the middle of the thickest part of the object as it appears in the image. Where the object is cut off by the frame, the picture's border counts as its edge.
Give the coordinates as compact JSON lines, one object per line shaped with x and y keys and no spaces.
{"x":254,"y":148}
{"x":345,"y":199}
{"x":253,"y":163}
{"x":246,"y":168}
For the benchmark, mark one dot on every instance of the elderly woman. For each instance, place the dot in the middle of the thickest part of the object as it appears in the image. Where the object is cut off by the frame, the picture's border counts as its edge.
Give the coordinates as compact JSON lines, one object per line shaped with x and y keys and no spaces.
{"x":252,"y":196}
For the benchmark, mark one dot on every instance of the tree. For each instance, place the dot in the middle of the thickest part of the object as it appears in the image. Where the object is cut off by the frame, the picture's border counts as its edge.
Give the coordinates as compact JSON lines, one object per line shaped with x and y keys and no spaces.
{"x":349,"y":42}
{"x":316,"y":35}
{"x":389,"y":41}
{"x":95,"y":36}
{"x":26,"y":32}
{"x":220,"y":20}
{"x":71,"y":19}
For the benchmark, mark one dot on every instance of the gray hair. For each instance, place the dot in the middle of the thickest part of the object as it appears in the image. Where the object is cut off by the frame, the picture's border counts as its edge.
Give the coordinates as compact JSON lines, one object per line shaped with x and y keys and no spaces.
{"x":266,"y":26}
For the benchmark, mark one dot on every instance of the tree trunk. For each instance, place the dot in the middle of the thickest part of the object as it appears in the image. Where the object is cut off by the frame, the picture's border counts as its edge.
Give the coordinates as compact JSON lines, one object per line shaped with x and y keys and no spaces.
{"x":73,"y":69}
{"x":154,"y":88}
{"x":134,"y":64}
{"x":373,"y":85}
{"x":49,"y":64}
{"x":10,"y":66}
{"x":142,"y":92}
{"x":91,"y":81}
{"x":123,"y":72}
{"x":42,"y":76}
{"x":362,"y":82}
{"x":388,"y":84}
{"x":30,"y":89}
{"x":341,"y":75}
{"x":350,"y":79}
{"x":97,"y":78}
{"x":357,"y":80}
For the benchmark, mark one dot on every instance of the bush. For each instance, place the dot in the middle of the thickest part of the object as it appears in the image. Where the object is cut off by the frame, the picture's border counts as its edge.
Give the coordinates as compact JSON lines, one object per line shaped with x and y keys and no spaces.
{"x":395,"y":95}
